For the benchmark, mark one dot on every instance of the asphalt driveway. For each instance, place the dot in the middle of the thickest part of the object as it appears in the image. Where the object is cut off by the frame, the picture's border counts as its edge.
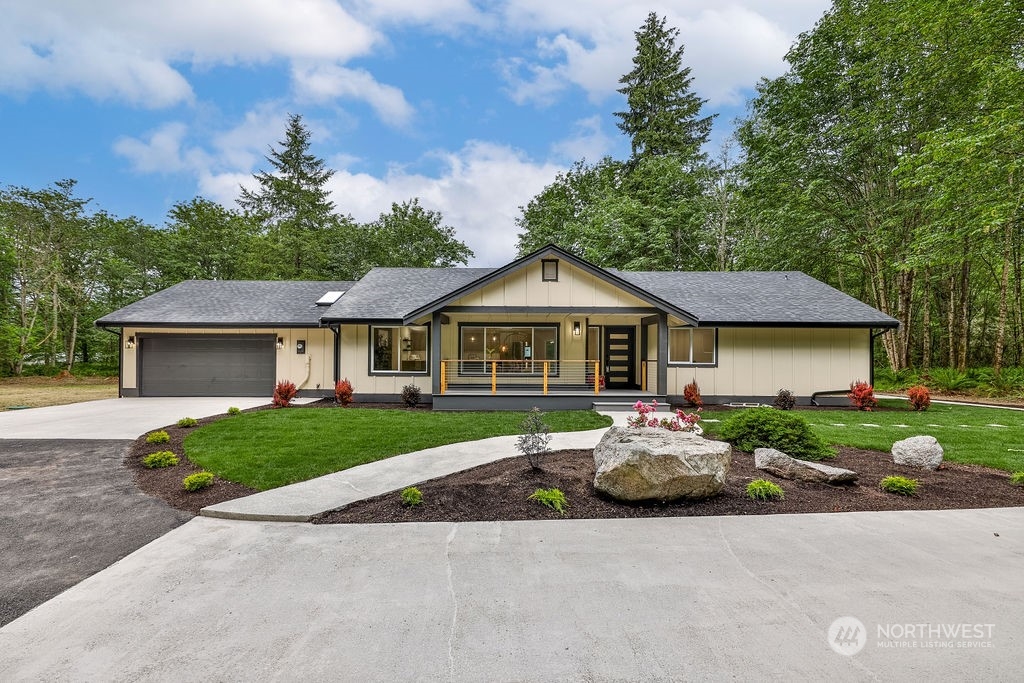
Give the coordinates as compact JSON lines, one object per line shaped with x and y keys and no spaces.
{"x":69,"y":509}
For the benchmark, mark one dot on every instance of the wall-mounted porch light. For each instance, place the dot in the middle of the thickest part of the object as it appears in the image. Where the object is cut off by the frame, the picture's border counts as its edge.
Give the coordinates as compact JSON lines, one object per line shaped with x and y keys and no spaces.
{"x":130,"y":343}
{"x":576,"y":328}
{"x":280,"y":342}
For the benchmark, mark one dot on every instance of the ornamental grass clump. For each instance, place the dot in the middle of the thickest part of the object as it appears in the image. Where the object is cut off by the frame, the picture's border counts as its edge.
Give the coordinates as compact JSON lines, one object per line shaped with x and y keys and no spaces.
{"x":552,"y":498}
{"x":764,"y":490}
{"x":901,"y":486}
{"x":343,"y":392}
{"x":234,"y":410}
{"x":284,"y":393}
{"x":1017,"y":478}
{"x":769,"y":428}
{"x":411,"y":496}
{"x":535,"y":437}
{"x":862,"y":396}
{"x":691,"y":394}
{"x":187,"y":422}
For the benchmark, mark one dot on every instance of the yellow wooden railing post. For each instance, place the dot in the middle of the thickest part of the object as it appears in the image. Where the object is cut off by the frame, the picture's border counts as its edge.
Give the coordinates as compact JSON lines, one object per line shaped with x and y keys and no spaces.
{"x":494,"y":377}
{"x":545,"y":378}
{"x":643,"y":376}
{"x":597,"y":378}
{"x":444,"y":379}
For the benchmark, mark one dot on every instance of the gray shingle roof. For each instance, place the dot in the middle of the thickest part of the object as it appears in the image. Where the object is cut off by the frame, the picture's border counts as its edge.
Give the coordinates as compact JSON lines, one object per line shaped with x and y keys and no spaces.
{"x":229,"y":303}
{"x":758,"y":298}
{"x":392,"y":293}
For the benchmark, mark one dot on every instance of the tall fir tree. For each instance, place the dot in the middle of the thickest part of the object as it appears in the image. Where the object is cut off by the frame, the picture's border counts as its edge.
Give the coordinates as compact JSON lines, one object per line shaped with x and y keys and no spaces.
{"x":664,"y":113}
{"x":293,"y":206}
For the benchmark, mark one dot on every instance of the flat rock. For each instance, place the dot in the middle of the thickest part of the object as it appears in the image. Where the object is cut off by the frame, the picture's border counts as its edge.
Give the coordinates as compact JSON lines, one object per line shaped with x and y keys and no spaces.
{"x":635,"y":464}
{"x":923,"y":452}
{"x":787,"y":467}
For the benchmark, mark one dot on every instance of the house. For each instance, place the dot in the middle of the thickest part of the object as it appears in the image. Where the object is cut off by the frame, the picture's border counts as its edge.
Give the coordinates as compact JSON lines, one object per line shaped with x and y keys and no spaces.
{"x":548,"y":329}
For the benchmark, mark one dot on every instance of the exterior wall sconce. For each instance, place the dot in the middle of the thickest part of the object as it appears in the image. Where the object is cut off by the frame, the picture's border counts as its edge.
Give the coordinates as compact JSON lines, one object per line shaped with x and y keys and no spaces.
{"x":280,"y":342}
{"x":576,"y":328}
{"x":130,"y":343}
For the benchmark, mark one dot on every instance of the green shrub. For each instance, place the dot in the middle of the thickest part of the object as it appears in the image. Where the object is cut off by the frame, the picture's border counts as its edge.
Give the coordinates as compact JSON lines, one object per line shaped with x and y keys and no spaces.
{"x":784,"y":400}
{"x":198,"y":480}
{"x":188,"y":422}
{"x":948,"y":380}
{"x":160,"y":459}
{"x":534,"y":438}
{"x":411,"y":496}
{"x":919,"y":398}
{"x":762,"y":489}
{"x":553,"y":498}
{"x":158,"y":437}
{"x":234,"y":411}
{"x":899,"y":485}
{"x":769,"y":428}
{"x":1017,"y":478}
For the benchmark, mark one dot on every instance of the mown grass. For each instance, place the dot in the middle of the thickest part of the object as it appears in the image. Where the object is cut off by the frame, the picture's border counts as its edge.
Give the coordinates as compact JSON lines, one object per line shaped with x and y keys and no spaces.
{"x":271,"y":448}
{"x":965,"y":432}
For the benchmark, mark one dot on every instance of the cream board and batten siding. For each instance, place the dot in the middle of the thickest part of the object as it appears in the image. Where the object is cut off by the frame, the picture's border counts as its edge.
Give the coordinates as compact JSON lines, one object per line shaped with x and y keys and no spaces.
{"x":355,"y":366}
{"x":290,"y":365}
{"x":760,"y":361}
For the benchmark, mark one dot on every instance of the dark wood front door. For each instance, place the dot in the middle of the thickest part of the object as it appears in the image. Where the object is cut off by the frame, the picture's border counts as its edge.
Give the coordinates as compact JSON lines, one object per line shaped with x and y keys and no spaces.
{"x":619,"y":357}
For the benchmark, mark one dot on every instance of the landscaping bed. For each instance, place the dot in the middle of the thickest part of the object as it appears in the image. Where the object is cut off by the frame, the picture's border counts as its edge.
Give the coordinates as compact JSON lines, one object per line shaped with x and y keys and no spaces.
{"x":499,"y":491}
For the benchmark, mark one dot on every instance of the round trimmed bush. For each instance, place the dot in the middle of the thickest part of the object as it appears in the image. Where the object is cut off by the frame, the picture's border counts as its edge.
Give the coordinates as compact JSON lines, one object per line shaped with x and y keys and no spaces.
{"x":764,"y":490}
{"x":196,"y":481}
{"x":770,"y":428}
{"x":901,"y":486}
{"x":158,"y":437}
{"x":160,"y":459}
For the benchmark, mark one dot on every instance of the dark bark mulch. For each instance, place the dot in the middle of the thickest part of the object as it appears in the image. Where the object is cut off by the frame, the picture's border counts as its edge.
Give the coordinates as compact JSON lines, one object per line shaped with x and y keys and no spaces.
{"x":499,"y":491}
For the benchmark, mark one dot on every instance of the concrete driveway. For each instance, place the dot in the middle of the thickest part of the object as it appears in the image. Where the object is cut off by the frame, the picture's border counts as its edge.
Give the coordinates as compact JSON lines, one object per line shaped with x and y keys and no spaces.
{"x":112,"y":418}
{"x":610,"y":600}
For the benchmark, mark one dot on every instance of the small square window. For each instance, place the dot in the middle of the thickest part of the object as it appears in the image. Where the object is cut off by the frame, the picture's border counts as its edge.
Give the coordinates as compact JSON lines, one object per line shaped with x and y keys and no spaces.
{"x":549,"y":270}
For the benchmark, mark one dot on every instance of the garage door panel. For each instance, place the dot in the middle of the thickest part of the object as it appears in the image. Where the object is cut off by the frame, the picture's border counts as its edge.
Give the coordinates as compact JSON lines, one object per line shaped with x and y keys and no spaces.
{"x":223,"y":365}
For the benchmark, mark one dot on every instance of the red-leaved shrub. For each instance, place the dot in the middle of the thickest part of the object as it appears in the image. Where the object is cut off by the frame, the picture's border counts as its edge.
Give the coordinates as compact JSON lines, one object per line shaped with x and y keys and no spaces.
{"x":343,"y":392}
{"x":284,"y":392}
{"x":862,"y":396}
{"x":919,"y":397}
{"x":691,"y":394}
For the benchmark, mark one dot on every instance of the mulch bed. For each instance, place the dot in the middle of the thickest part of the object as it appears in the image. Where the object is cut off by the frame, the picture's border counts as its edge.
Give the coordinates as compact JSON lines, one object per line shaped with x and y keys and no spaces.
{"x":499,"y":491}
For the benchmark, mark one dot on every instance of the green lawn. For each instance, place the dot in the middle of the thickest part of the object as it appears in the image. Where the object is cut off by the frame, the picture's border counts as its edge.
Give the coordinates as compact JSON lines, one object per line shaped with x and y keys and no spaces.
{"x":965,"y":432}
{"x":271,"y":448}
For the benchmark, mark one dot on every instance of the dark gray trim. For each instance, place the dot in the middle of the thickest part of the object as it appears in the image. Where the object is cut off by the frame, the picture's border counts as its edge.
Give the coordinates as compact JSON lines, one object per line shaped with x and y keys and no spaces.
{"x":581,"y":401}
{"x":212,"y":326}
{"x":386,"y":398}
{"x":649,"y":320}
{"x":765,"y":400}
{"x":662,"y":353}
{"x":436,"y":320}
{"x":590,"y":268}
{"x":336,"y":329}
{"x":829,"y":325}
{"x":129,"y":393}
{"x":572,"y":310}
{"x":315,"y":393}
{"x":400,"y":373}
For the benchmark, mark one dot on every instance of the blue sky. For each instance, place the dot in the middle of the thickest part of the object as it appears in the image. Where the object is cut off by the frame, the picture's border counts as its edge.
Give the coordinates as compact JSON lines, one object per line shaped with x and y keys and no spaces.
{"x":472,"y":106}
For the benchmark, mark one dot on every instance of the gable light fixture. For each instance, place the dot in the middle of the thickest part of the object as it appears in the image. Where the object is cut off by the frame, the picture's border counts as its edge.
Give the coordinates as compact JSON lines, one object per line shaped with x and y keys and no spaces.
{"x":130,"y":343}
{"x":576,"y":328}
{"x":280,"y":342}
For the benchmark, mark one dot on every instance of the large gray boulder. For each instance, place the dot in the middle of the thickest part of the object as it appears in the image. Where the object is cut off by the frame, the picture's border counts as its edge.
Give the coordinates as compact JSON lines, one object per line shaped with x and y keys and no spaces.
{"x":923,"y":452}
{"x":788,"y":467}
{"x":635,"y":464}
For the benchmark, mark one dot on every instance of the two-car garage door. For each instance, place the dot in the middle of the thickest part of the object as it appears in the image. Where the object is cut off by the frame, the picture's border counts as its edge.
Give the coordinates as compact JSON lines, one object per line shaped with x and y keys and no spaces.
{"x":207,"y":365}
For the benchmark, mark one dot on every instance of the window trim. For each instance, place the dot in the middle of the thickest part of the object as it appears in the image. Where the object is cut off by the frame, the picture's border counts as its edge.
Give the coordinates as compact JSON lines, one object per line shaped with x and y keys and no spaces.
{"x":538,"y":364}
{"x":543,"y":269}
{"x":396,"y":373}
{"x":690,"y":363}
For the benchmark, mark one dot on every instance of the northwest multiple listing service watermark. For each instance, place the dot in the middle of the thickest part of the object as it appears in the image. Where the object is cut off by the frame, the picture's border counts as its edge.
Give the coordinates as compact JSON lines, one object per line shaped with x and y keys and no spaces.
{"x":848,"y":636}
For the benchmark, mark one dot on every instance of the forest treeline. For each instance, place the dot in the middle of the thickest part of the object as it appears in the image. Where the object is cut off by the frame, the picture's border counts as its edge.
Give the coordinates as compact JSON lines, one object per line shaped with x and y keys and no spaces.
{"x":888,"y":161}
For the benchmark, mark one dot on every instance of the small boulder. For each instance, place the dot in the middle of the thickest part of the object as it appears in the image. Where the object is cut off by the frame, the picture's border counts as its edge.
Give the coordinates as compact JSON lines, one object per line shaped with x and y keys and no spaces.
{"x":923,"y":452}
{"x":635,"y":464}
{"x":787,"y":467}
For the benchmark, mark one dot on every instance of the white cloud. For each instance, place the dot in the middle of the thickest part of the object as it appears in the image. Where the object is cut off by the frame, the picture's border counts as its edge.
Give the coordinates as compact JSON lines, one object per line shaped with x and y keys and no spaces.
{"x":588,"y":141}
{"x":319,"y":82}
{"x":160,"y":153}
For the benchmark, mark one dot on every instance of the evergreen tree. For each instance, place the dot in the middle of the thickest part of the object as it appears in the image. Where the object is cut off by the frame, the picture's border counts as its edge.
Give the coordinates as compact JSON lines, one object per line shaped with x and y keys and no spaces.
{"x":664,"y":113}
{"x":292,"y":206}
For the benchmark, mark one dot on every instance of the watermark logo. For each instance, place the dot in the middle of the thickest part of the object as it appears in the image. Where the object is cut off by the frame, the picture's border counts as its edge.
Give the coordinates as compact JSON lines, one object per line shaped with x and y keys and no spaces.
{"x":847,"y":636}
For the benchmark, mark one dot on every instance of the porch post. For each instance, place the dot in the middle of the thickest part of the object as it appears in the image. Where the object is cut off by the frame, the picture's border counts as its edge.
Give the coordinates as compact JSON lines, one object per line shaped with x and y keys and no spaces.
{"x":435,"y":353}
{"x":663,"y":353}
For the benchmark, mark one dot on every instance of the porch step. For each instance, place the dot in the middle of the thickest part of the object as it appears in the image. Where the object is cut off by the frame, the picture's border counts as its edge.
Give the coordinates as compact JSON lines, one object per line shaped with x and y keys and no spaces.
{"x":663,"y":407}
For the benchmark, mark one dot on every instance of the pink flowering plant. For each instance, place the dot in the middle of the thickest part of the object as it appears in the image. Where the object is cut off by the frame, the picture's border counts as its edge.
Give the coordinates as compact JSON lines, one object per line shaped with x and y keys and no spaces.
{"x":680,"y":422}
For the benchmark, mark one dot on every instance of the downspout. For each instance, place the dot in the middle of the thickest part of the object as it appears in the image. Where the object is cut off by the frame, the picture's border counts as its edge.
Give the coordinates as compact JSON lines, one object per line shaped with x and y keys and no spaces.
{"x":120,"y":356}
{"x":336,"y":329}
{"x":871,"y":374}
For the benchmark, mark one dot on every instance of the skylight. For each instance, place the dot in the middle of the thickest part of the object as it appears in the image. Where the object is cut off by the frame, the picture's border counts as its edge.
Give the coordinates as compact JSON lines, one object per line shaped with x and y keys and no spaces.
{"x":329,"y":298}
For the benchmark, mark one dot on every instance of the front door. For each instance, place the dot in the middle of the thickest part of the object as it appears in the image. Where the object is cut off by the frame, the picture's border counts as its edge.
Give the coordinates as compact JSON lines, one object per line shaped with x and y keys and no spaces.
{"x":619,"y":357}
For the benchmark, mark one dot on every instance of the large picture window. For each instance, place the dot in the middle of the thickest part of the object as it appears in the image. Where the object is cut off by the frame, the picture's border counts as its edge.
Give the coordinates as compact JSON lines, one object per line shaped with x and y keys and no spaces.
{"x":399,"y":349}
{"x":693,"y":346}
{"x":516,"y":349}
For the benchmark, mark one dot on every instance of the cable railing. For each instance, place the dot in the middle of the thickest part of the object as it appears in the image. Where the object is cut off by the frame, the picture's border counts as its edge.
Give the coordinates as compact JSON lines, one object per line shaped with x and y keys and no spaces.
{"x":543,"y":375}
